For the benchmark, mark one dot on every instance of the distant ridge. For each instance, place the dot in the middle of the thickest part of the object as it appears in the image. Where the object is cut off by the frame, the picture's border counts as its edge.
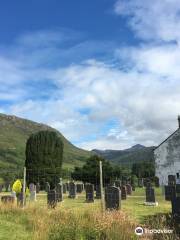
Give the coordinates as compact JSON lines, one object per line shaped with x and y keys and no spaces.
{"x":14,"y":132}
{"x":135,"y":154}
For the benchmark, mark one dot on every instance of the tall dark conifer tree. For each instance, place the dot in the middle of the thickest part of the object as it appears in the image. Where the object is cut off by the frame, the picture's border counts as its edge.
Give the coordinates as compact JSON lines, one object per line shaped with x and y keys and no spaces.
{"x":44,"y":156}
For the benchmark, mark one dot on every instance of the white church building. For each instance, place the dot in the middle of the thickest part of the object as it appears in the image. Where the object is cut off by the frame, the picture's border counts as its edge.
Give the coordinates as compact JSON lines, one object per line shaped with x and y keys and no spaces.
{"x":167,"y":157}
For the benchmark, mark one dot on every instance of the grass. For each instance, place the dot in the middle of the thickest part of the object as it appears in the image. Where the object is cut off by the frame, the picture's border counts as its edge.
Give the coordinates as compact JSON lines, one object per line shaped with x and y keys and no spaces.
{"x":76,"y":220}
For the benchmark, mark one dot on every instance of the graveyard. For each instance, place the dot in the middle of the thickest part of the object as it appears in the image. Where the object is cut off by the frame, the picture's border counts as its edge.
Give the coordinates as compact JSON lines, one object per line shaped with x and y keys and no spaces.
{"x":133,"y":211}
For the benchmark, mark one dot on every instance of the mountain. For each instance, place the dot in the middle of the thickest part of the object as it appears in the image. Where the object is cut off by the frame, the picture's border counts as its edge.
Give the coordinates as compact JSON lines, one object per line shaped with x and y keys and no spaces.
{"x":14,"y":132}
{"x":135,"y":154}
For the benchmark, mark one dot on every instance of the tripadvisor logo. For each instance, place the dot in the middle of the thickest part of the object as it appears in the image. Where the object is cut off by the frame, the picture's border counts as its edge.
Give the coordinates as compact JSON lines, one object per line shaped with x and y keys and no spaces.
{"x":139,"y":231}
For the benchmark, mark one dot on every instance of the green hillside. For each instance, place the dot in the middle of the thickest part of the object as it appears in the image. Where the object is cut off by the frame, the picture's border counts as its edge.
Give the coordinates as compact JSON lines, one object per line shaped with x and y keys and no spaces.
{"x":135,"y":154}
{"x":14,"y":133}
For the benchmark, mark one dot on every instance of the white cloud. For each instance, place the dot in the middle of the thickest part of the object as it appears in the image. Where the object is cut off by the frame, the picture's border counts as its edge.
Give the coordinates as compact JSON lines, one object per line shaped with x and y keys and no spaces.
{"x":152,"y":20}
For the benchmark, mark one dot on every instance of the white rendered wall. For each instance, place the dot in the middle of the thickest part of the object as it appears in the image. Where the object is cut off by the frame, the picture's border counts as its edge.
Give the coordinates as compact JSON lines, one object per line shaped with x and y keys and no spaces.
{"x":167,"y":158}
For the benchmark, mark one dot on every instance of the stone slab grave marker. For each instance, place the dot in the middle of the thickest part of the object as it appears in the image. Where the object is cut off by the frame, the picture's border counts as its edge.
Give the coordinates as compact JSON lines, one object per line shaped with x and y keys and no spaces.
{"x":79,"y":187}
{"x":72,"y":190}
{"x":112,"y":198}
{"x":123,"y":192}
{"x":38,"y":187}
{"x":47,"y":187}
{"x":169,"y":192}
{"x":32,"y":189}
{"x":129,"y":189}
{"x":51,"y":199}
{"x":64,"y":188}
{"x":176,"y":204}
{"x":7,"y":199}
{"x":67,"y":186}
{"x":1,"y":188}
{"x":98,"y":192}
{"x":156,"y":181}
{"x":59,"y":192}
{"x":150,"y":197}
{"x":89,"y":193}
{"x":171,"y":180}
{"x":117,"y":183}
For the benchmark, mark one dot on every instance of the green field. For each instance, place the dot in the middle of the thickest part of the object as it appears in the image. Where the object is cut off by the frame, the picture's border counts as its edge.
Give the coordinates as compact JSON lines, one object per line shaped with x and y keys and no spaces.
{"x":19,"y":224}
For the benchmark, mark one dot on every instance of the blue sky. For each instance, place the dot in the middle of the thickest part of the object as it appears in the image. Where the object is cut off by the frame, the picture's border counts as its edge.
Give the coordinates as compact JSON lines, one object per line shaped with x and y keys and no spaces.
{"x":105,"y":73}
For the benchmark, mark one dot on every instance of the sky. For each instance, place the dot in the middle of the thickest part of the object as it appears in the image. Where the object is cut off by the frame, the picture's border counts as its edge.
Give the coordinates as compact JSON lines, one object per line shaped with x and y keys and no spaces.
{"x":105,"y":73}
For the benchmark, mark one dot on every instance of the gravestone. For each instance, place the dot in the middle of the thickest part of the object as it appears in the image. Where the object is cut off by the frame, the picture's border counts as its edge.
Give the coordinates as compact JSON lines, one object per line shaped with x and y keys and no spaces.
{"x":150,"y":195}
{"x":177,"y":190}
{"x":8,"y":199}
{"x":38,"y":187}
{"x":98,"y":192}
{"x":133,"y":187}
{"x":64,"y":188}
{"x":156,"y":181}
{"x":140,"y":182}
{"x":79,"y":187}
{"x":32,"y":189}
{"x":112,"y":198}
{"x":67,"y":186}
{"x":7,"y":186}
{"x":171,"y":180}
{"x":1,"y":188}
{"x":72,"y":190}
{"x":147,"y":183}
{"x":51,"y":199}
{"x":59,"y":192}
{"x":117,"y":183}
{"x":89,"y":193}
{"x":129,"y":189}
{"x":47,"y":187}
{"x":20,"y":198}
{"x":169,"y":192}
{"x":123,"y":192}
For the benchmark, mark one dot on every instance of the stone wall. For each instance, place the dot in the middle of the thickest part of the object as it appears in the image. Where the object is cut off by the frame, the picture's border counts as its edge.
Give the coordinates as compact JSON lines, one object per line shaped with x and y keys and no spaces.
{"x":167,"y":158}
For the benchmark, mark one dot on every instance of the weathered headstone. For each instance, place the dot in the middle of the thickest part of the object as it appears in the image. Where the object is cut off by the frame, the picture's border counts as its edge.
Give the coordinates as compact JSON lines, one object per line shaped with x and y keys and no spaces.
{"x":1,"y":188}
{"x":67,"y":186}
{"x":72,"y":190}
{"x":98,"y":192}
{"x":47,"y":187}
{"x":89,"y":193}
{"x":32,"y":189}
{"x":123,"y":192}
{"x":169,"y":192}
{"x":113,"y":198}
{"x":156,"y":181}
{"x":20,"y":198}
{"x":117,"y":183}
{"x":64,"y":188}
{"x":7,"y":199}
{"x":38,"y":187}
{"x":176,"y":209}
{"x":150,"y":195}
{"x":171,"y":180}
{"x":59,"y":192}
{"x":129,"y":189}
{"x":79,"y":187}
{"x":51,"y":199}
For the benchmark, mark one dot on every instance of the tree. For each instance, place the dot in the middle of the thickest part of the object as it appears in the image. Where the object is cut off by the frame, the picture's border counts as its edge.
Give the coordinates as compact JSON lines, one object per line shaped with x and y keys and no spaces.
{"x":90,"y":171}
{"x":44,"y":156}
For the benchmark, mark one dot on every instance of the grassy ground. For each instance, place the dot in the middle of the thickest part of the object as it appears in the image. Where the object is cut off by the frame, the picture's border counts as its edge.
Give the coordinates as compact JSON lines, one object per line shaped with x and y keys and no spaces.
{"x":19,"y":224}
